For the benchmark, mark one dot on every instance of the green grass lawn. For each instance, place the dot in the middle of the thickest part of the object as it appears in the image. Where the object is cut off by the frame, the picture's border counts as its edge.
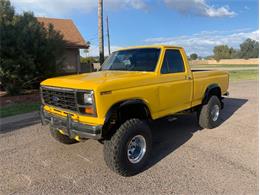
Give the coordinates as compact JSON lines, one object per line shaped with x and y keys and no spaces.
{"x":237,"y":75}
{"x":18,"y":108}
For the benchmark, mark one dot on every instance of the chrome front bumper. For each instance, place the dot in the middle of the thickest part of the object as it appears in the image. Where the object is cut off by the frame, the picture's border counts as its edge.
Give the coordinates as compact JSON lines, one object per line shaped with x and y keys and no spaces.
{"x":70,"y":127}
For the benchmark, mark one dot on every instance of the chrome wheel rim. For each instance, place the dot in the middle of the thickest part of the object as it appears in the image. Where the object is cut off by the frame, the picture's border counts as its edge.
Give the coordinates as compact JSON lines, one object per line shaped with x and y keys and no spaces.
{"x":136,"y":149}
{"x":215,"y":113}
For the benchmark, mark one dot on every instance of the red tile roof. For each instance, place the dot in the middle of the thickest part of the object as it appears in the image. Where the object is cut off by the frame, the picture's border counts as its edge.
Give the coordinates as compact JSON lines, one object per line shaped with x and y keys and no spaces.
{"x":68,"y":29}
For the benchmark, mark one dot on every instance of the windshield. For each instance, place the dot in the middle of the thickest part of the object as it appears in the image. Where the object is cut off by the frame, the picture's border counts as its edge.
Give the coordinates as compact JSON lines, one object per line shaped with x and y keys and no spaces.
{"x":132,"y":60}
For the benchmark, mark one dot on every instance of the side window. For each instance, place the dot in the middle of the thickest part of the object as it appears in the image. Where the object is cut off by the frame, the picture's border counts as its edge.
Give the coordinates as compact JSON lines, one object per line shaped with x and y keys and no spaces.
{"x":172,"y":62}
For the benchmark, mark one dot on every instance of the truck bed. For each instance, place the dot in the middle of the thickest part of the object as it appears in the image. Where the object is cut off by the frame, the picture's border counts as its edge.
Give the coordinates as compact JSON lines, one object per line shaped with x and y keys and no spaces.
{"x":204,"y":78}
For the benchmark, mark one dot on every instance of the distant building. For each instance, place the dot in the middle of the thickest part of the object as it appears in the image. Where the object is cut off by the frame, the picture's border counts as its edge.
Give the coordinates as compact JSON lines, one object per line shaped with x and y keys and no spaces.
{"x":74,"y":42}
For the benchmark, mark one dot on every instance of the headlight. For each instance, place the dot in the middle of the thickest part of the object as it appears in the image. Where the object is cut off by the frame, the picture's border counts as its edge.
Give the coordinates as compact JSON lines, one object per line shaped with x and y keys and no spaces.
{"x":86,"y":102}
{"x":88,"y":98}
{"x":85,"y":97}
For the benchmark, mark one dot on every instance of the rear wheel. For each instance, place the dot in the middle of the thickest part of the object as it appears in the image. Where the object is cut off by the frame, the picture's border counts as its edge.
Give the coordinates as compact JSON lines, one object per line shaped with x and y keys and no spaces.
{"x":61,"y":138}
{"x":127,"y":152}
{"x":209,"y":114}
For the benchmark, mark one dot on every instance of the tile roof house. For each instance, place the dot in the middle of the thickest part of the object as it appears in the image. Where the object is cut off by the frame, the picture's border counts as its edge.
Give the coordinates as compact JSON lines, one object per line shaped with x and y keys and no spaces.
{"x":74,"y":42}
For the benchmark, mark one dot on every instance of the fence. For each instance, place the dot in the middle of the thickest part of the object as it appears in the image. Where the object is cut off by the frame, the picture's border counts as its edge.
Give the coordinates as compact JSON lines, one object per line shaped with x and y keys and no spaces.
{"x":86,"y":67}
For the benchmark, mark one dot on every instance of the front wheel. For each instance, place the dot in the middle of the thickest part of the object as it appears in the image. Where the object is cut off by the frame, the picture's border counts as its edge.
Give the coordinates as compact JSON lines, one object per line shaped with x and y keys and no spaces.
{"x":209,"y":114}
{"x":127,"y":152}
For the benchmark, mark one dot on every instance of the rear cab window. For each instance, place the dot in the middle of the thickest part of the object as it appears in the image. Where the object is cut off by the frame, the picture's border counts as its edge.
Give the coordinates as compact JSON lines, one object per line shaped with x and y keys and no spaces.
{"x":172,"y":62}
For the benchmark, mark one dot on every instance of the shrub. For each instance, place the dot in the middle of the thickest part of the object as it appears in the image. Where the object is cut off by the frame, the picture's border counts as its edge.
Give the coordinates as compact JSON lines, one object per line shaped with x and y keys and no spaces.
{"x":29,"y":51}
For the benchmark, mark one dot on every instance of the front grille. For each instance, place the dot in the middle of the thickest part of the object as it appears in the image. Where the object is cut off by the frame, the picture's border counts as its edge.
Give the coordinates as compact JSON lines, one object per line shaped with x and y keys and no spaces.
{"x":59,"y":98}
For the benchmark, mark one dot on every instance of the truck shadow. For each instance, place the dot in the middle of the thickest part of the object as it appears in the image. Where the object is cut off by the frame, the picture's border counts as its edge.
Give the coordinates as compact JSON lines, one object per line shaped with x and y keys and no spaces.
{"x":169,"y":136}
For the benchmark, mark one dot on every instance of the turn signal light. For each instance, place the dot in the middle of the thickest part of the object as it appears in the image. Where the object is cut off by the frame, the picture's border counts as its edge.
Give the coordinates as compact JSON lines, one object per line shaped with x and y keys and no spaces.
{"x":89,"y":110}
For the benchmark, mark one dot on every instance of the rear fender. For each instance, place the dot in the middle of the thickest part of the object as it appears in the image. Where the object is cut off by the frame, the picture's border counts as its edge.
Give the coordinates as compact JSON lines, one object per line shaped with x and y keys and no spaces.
{"x":213,"y":89}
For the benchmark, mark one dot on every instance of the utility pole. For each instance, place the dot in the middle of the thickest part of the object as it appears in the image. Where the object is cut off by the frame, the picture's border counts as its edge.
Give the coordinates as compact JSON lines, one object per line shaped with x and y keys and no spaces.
{"x":108,"y":37}
{"x":100,"y":31}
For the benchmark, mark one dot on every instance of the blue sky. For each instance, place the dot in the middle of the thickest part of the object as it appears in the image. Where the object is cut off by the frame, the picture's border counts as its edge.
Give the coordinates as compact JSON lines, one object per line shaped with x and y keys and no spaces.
{"x":197,"y":25}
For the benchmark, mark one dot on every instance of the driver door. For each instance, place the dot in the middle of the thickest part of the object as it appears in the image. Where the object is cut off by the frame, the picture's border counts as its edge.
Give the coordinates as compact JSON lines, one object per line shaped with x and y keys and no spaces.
{"x":175,"y":90}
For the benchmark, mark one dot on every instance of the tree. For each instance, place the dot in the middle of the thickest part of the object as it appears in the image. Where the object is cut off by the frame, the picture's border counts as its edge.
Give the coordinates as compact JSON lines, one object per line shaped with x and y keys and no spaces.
{"x":88,"y":60}
{"x":249,"y":49}
{"x":234,"y":53}
{"x":6,"y":12}
{"x":210,"y":57}
{"x":222,"y":52}
{"x":86,"y":51}
{"x":193,"y":56}
{"x":29,"y":52}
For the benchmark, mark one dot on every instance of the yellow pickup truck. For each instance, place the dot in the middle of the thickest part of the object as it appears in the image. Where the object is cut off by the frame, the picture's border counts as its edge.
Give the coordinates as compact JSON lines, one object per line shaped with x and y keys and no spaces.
{"x":116,"y":104}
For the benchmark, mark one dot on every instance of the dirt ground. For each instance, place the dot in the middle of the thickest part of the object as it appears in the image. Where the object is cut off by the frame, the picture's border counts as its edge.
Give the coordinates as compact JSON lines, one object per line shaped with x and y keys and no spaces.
{"x":185,"y":159}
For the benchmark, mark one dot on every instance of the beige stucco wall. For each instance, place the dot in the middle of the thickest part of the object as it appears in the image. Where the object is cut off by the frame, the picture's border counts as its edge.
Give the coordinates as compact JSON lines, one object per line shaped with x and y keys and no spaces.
{"x":71,"y":60}
{"x":226,"y":61}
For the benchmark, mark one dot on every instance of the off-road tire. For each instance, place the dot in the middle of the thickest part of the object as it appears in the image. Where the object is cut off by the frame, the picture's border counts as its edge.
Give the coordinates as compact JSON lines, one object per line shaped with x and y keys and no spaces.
{"x":204,"y":117}
{"x":61,"y":138}
{"x":115,"y":149}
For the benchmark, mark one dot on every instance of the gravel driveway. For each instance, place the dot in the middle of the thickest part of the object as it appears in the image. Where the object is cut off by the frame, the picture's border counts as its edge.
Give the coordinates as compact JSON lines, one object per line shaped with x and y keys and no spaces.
{"x":185,"y":159}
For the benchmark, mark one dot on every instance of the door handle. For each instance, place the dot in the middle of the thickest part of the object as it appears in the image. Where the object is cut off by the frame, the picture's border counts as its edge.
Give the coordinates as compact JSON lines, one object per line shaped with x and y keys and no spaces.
{"x":188,"y":77}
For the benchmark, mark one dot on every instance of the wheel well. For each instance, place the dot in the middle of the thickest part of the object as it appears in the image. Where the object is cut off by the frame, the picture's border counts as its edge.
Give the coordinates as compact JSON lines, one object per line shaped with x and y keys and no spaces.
{"x":212,"y":90}
{"x":121,"y":112}
{"x":137,"y":110}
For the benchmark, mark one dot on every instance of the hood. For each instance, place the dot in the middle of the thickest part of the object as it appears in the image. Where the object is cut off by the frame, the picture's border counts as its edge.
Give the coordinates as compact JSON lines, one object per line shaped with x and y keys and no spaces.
{"x":102,"y":80}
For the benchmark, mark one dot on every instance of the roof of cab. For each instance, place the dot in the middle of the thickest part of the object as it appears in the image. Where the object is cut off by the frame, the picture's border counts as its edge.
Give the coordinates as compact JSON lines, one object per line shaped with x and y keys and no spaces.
{"x":151,"y":46}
